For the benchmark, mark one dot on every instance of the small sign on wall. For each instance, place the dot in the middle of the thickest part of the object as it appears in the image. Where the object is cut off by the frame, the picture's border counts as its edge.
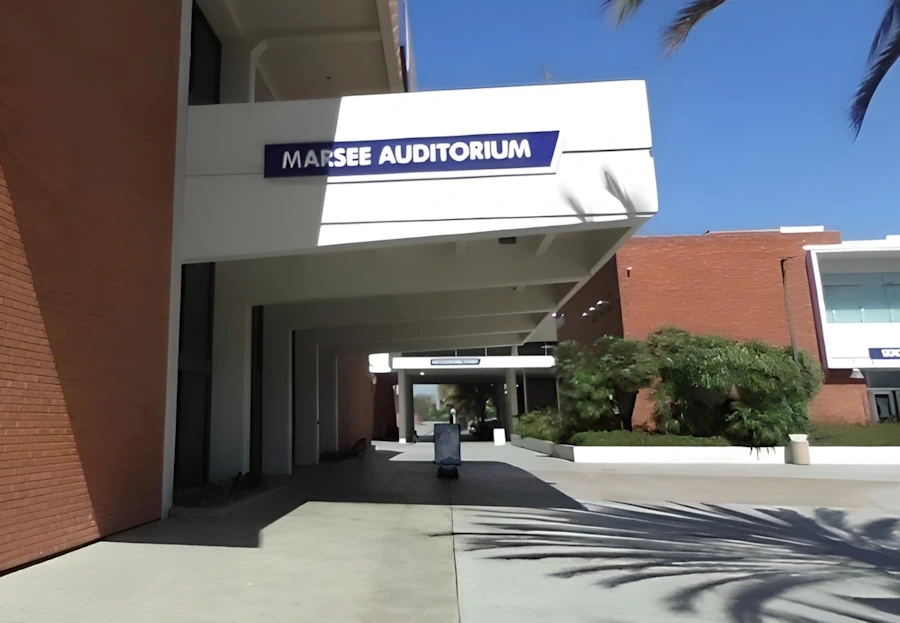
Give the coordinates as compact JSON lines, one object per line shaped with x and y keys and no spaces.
{"x":456,"y":361}
{"x":884,"y":353}
{"x":441,"y":156}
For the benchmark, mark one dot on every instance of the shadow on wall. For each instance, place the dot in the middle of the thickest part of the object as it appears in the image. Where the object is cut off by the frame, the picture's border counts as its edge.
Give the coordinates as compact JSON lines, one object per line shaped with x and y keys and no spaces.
{"x":760,"y":563}
{"x":374,"y":479}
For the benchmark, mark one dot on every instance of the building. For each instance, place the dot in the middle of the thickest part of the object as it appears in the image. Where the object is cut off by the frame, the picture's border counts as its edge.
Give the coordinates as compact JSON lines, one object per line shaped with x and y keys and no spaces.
{"x":212,"y":212}
{"x":743,"y":285}
{"x":856,"y":307}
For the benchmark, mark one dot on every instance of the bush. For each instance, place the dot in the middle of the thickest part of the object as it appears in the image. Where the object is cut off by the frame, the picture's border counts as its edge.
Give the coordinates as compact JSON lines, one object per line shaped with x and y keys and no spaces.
{"x":628,"y":438}
{"x":751,"y":393}
{"x":543,"y":424}
{"x":598,"y":384}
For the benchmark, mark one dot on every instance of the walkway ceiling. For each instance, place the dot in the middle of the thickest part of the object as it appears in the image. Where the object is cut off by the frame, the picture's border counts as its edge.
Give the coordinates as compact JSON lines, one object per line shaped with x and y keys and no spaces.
{"x":426,"y":296}
{"x":315,"y":49}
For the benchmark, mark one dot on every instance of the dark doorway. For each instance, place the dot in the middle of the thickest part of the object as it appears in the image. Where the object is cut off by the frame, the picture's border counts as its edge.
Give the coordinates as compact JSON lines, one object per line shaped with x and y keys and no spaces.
{"x":194,"y":375}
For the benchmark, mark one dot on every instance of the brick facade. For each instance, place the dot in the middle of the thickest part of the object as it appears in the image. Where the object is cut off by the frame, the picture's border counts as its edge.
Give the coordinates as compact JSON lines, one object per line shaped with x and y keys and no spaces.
{"x":356,"y":400}
{"x":87,"y":134}
{"x":728,"y":284}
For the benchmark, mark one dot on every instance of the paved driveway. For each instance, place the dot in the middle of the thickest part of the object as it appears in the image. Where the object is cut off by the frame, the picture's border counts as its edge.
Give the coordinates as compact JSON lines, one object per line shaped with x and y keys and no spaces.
{"x":383,"y":540}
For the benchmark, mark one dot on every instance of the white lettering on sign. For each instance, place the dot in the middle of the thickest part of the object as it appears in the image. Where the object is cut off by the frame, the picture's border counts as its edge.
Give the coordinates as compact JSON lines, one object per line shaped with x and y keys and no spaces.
{"x":460,"y":151}
{"x":890,"y":353}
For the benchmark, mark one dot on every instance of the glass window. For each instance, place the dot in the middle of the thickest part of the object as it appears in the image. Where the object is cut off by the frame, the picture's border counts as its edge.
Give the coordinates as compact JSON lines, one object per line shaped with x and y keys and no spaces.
{"x":874,"y":303}
{"x":893,"y":301}
{"x":842,"y":304}
{"x":862,"y":297}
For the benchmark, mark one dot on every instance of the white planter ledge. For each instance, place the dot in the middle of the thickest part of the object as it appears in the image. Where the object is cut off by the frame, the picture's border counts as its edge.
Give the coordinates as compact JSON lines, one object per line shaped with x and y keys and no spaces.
{"x":818,"y":455}
{"x":854,"y":455}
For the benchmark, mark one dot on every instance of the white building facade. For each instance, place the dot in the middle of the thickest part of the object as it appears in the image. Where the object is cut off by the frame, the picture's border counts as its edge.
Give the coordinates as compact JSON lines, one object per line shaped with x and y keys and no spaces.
{"x":326,"y":212}
{"x":857,"y":304}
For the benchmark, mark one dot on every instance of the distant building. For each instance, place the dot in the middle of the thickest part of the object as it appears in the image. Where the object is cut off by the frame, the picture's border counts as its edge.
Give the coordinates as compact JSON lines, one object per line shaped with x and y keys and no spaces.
{"x":741,"y":285}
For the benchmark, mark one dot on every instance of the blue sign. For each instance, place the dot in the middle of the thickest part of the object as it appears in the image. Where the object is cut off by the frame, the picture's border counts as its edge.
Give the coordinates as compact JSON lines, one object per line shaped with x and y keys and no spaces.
{"x":884,"y":353}
{"x":441,"y":154}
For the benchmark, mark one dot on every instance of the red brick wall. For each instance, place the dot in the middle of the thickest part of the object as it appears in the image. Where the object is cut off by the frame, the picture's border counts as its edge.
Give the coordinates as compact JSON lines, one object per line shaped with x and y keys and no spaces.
{"x":725,"y":284}
{"x":603,"y":286}
{"x":87,"y":132}
{"x":356,"y":400}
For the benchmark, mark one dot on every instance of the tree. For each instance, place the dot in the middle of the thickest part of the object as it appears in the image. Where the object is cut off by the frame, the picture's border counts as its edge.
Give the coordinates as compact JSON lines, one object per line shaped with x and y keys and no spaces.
{"x":467,"y":398}
{"x":423,"y":406}
{"x":598,"y":384}
{"x":883,"y":53}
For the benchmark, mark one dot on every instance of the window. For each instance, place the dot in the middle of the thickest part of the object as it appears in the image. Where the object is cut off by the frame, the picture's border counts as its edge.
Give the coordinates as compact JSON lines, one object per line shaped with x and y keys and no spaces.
{"x":206,"y":61}
{"x":893,"y":298}
{"x":862,"y":298}
{"x":842,"y":304}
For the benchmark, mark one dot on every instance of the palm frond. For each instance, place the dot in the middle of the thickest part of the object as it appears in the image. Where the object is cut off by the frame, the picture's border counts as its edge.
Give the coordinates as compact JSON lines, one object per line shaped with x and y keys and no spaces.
{"x":889,"y":22}
{"x":623,"y":9}
{"x":878,"y":69}
{"x":685,"y":20}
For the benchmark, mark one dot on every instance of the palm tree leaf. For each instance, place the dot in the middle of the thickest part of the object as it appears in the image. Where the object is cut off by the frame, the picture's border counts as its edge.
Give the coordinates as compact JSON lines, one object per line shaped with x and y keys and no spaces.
{"x":878,"y":69}
{"x":685,"y":20}
{"x":890,"y":21}
{"x":623,"y":8}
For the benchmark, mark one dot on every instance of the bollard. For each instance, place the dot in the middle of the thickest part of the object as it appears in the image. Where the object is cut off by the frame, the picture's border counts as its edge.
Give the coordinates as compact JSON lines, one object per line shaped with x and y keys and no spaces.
{"x":499,"y":437}
{"x":799,"y":449}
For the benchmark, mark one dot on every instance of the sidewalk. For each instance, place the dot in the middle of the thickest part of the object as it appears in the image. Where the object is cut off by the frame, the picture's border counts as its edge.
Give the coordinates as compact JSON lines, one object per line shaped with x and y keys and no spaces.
{"x":381,"y":539}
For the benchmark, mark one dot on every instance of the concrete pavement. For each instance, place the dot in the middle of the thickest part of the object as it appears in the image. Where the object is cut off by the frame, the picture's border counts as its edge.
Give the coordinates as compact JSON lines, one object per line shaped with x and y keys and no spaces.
{"x":520,"y":537}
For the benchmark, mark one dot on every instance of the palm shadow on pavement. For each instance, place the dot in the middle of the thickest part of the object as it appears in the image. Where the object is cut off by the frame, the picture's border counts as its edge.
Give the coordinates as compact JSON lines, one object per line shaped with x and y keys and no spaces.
{"x":763,"y":564}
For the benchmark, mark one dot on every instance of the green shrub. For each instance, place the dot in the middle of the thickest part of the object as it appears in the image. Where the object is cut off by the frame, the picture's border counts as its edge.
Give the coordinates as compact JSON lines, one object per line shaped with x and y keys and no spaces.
{"x":628,"y":438}
{"x":543,"y":424}
{"x":598,"y":384}
{"x":751,"y":393}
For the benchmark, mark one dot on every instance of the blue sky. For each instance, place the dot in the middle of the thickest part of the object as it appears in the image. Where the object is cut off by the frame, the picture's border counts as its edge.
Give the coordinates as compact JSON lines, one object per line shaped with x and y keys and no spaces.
{"x":749,"y":117}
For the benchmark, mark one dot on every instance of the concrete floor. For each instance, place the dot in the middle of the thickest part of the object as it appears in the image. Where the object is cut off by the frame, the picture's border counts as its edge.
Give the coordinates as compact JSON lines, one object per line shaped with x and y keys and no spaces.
{"x":520,"y":537}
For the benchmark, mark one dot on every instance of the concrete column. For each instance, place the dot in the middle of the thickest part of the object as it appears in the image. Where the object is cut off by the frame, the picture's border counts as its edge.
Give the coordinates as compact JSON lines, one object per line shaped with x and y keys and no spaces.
{"x":306,"y":401}
{"x":168,"y":468}
{"x":277,"y":380}
{"x":500,"y":401}
{"x":406,"y":420}
{"x":512,"y":400}
{"x":239,"y":64}
{"x":229,"y":428}
{"x":525,"y":390}
{"x":328,"y":402}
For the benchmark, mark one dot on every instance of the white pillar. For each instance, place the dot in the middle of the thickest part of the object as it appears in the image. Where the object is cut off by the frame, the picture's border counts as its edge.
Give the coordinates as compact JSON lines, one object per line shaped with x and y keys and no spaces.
{"x":306,"y":401}
{"x":406,"y":418}
{"x":168,"y":471}
{"x":229,"y":426}
{"x":277,"y":419}
{"x":239,"y":66}
{"x":328,"y":402}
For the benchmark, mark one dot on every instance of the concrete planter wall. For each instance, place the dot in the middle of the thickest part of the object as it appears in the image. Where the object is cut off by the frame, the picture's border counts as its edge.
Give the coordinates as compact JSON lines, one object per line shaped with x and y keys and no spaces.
{"x":854,"y":455}
{"x":674,"y":454}
{"x":819,"y":455}
{"x":536,"y":445}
